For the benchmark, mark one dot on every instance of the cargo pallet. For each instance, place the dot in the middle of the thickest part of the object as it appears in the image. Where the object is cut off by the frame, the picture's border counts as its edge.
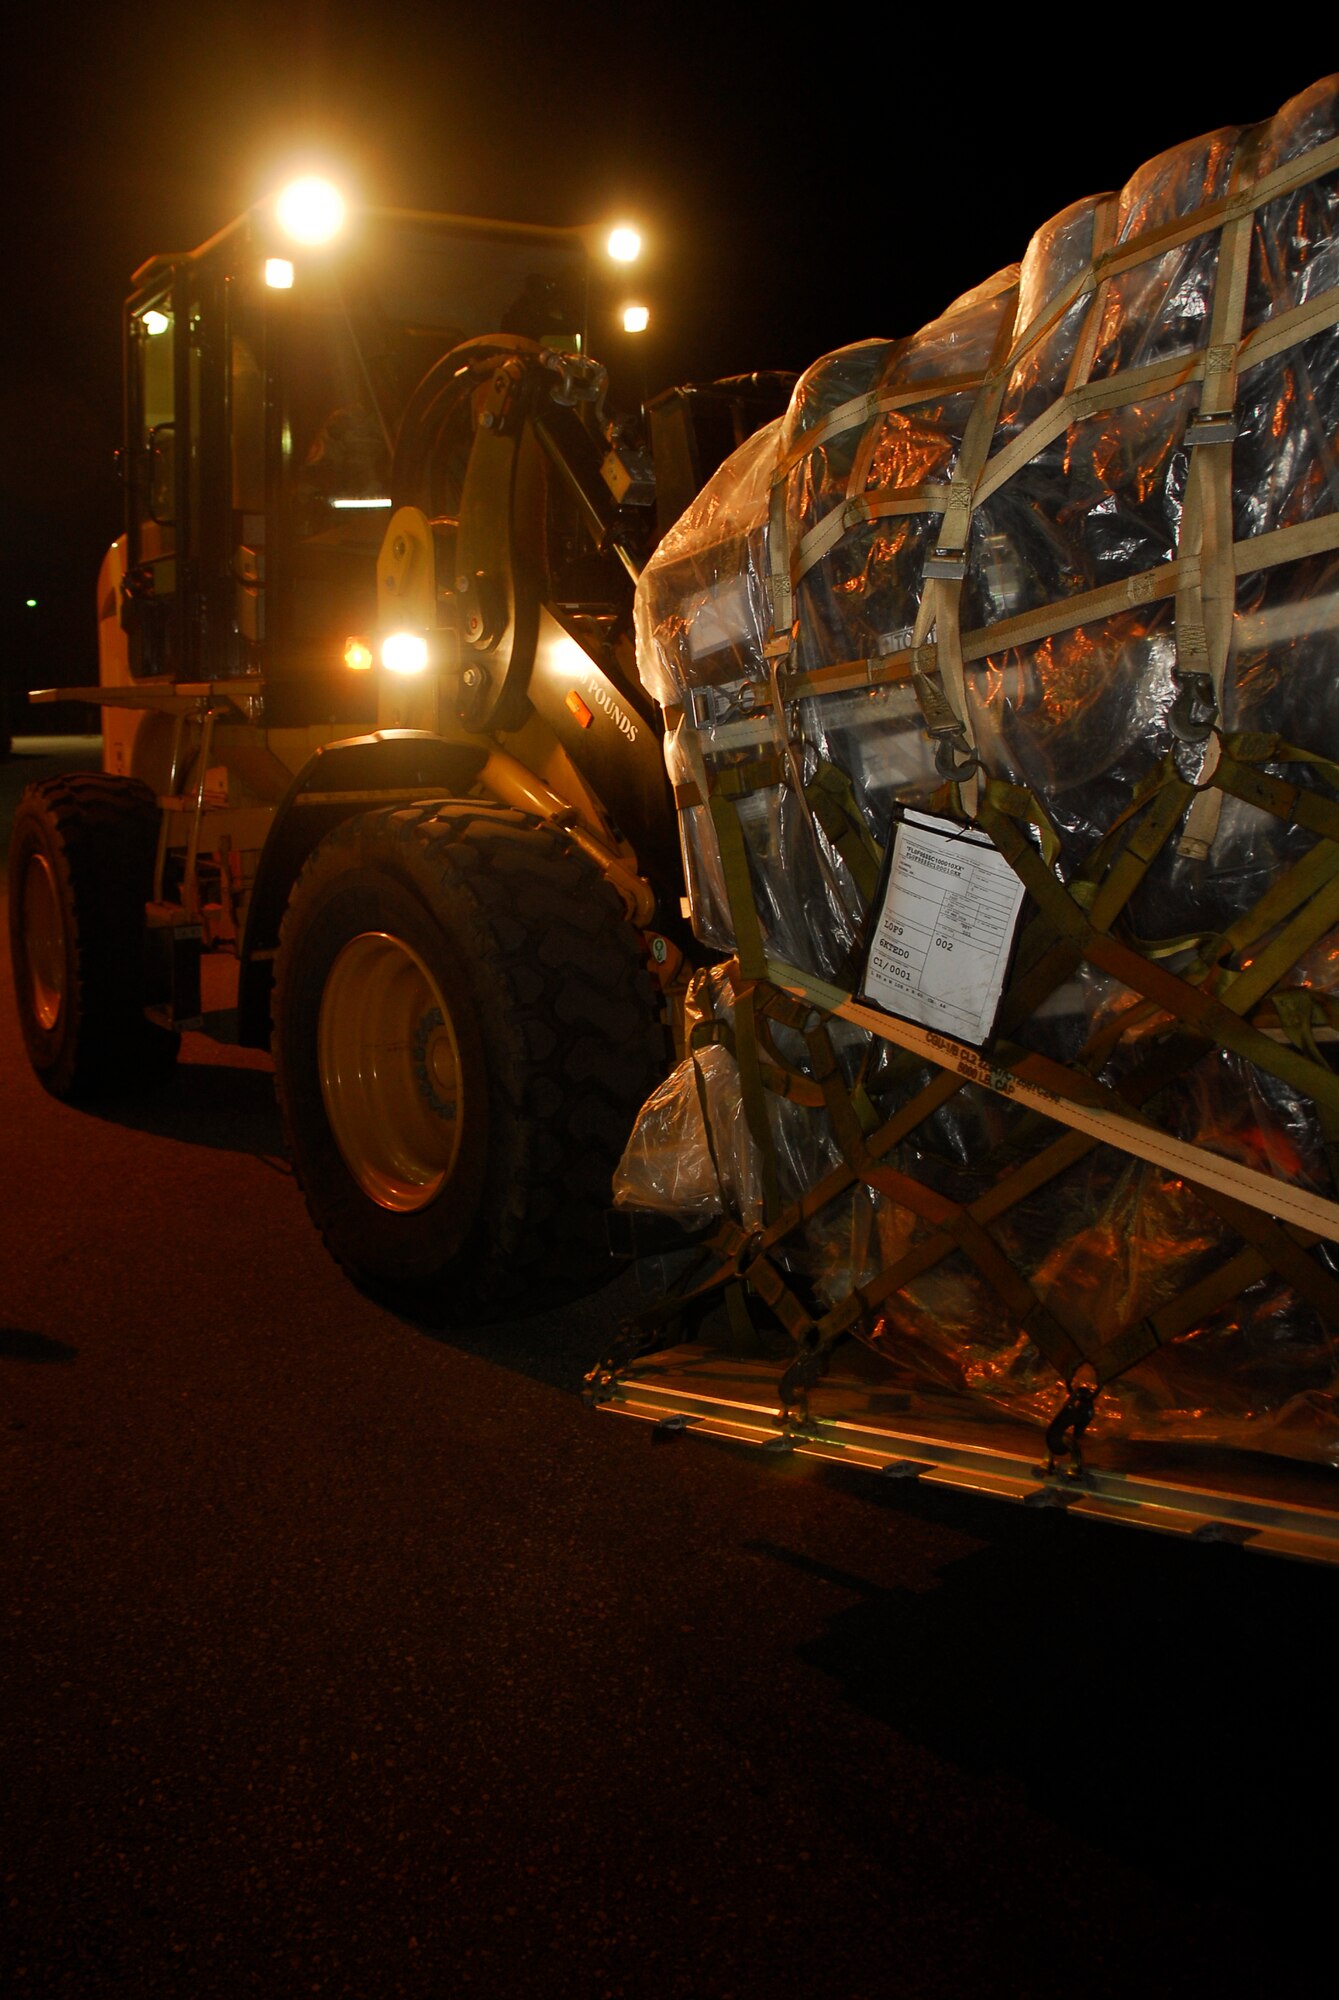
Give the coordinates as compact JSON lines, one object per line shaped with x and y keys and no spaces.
{"x":1255,"y":1500}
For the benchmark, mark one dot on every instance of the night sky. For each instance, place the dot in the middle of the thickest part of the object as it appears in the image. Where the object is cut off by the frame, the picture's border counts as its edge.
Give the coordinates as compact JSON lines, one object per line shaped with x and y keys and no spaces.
{"x":798,"y":187}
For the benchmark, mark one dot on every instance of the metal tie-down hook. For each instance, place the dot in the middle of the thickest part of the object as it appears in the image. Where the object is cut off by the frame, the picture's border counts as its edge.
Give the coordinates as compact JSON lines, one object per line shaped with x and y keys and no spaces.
{"x":1195,"y":709}
{"x":1072,"y":1420}
{"x":946,"y":756}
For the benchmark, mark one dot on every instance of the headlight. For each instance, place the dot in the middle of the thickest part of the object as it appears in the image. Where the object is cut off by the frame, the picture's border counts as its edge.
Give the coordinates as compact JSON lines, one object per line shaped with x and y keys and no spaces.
{"x":310,"y":210}
{"x":624,"y":244}
{"x":404,"y":652}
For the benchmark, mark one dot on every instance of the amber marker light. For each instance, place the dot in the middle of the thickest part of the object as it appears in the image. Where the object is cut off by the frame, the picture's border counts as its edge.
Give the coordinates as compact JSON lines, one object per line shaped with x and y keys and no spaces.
{"x":624,"y":244}
{"x":310,"y":210}
{"x":404,"y":653}
{"x":579,"y":708}
{"x":279,"y":274}
{"x":357,"y":656}
{"x":636,"y":319}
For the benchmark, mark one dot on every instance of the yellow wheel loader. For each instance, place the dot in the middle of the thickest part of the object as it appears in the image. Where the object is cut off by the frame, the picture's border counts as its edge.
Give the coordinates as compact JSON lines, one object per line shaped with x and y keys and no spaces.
{"x":381,"y":789}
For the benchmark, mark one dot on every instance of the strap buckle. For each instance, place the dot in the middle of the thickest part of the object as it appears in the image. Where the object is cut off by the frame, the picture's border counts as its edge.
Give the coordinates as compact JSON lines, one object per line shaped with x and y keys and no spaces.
{"x":703,"y":706}
{"x":948,"y":564}
{"x":944,"y":726}
{"x":1208,"y":427}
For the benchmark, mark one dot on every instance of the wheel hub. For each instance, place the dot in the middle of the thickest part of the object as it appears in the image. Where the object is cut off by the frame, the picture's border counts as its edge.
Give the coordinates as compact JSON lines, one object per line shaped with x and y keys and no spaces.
{"x":390,"y":1069}
{"x":435,"y":1064}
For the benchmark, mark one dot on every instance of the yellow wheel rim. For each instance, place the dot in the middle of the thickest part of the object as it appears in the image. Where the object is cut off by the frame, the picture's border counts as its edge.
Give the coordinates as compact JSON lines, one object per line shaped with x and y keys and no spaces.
{"x":43,"y":941}
{"x":390,"y":1071}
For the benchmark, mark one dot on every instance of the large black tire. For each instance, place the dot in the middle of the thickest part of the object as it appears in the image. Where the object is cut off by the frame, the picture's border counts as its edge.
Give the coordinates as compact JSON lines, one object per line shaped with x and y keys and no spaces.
{"x":80,"y":872}
{"x":464,"y":1031}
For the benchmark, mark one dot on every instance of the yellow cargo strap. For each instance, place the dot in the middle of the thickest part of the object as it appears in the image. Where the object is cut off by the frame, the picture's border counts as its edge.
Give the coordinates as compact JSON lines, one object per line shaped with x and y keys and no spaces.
{"x":752,"y":964}
{"x":1193,"y":1006}
{"x":1208,"y":1002}
{"x":1220,"y":1184}
{"x":1201,"y":577}
{"x":777,"y":1076}
{"x":1106,"y":214}
{"x":1109,"y":262}
{"x":832,"y":802}
{"x":934,"y":497}
{"x":1146,"y":1142}
{"x":1298,"y":1010}
{"x":1094,"y":399}
{"x":738,"y":885}
{"x":1271,"y":1246}
{"x":1205,"y":600}
{"x":759,"y":774}
{"x":859,"y":411}
{"x":942,"y":577}
{"x":1054,"y":1340}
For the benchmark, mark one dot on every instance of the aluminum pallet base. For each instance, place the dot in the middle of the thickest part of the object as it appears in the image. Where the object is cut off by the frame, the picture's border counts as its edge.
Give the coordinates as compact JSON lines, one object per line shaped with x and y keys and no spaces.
{"x":1278,"y":1506}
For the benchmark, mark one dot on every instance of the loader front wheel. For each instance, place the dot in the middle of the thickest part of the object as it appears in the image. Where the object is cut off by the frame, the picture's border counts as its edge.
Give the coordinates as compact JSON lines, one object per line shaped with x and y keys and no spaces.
{"x":80,"y":873}
{"x":463,"y":1034}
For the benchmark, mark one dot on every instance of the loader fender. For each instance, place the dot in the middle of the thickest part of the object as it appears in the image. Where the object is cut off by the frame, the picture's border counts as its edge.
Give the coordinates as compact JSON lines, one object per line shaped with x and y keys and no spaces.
{"x":338,"y":782}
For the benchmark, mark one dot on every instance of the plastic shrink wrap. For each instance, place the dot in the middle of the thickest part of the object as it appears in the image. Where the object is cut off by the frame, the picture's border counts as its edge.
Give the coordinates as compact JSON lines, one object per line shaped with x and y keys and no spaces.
{"x":1064,"y":564}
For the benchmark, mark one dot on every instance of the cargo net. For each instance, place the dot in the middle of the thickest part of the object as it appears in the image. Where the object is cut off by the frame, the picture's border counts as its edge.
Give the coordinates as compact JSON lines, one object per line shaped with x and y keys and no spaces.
{"x":1062,"y":570}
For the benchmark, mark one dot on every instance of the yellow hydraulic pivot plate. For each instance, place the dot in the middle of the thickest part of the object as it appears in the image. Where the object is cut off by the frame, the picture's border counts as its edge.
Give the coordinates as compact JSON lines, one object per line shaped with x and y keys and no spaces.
{"x":406,"y":574}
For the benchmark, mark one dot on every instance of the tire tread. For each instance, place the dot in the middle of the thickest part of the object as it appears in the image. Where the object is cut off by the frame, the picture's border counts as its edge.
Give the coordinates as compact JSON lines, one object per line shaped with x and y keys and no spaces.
{"x":574,"y":1040}
{"x":101,"y":830}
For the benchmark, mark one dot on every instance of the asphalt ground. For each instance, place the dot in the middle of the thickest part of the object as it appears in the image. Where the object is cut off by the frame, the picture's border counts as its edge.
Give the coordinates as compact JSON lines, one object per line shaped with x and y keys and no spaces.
{"x":342,"y":1658}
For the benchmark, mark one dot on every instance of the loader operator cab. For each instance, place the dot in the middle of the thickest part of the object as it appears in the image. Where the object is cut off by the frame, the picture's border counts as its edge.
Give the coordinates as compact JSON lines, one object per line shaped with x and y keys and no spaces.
{"x":265,"y":381}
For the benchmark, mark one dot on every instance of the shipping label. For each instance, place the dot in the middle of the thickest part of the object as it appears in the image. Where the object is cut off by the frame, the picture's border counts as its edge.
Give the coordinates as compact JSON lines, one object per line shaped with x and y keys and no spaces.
{"x":945,"y":929}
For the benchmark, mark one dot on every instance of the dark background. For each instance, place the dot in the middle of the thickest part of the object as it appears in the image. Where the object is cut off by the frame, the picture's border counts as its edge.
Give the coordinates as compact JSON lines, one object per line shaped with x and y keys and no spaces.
{"x":799,"y":187}
{"x":337,"y":1658}
{"x":345,"y":1660}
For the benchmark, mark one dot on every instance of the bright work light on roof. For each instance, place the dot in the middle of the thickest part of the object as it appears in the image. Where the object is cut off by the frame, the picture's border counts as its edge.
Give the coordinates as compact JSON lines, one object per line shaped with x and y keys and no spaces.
{"x":310,"y":210}
{"x":636,"y":319}
{"x":624,"y":245}
{"x":404,"y":652}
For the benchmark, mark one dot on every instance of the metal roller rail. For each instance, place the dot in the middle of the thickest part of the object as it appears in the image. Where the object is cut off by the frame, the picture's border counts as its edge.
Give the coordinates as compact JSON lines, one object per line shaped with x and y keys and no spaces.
{"x":1276,"y":1507}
